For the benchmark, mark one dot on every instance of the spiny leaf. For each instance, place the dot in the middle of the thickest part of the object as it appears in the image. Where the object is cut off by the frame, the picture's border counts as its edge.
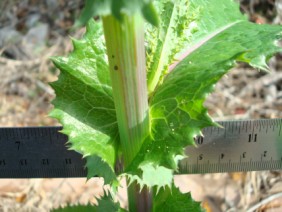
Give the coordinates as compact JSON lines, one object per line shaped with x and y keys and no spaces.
{"x":117,"y":9}
{"x":106,"y":203}
{"x":148,"y":174}
{"x":176,"y":106}
{"x":174,"y":201}
{"x":84,"y":103}
{"x":219,"y":36}
{"x":212,"y":17}
{"x":177,"y":110}
{"x":184,"y":24}
{"x":75,"y":208}
{"x":98,"y":168}
{"x":168,"y":39}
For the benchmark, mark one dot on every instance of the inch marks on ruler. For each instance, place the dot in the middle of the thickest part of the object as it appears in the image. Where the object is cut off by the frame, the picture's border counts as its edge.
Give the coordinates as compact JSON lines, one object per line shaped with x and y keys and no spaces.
{"x":238,"y":146}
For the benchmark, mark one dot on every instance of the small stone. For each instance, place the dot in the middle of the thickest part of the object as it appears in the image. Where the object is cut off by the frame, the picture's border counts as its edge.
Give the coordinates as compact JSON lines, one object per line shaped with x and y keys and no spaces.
{"x":32,"y":20}
{"x":34,"y":40}
{"x":9,"y":35}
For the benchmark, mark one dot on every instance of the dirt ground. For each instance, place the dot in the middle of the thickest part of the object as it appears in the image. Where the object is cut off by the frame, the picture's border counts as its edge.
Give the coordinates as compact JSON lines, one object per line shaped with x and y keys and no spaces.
{"x":31,"y":31}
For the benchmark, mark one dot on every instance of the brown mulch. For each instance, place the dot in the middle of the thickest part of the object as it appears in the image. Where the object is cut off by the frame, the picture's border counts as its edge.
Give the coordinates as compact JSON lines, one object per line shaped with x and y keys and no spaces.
{"x":25,"y":101}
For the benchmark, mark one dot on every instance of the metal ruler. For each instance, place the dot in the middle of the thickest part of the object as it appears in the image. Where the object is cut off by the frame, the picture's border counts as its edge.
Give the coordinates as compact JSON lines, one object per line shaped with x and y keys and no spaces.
{"x":40,"y":152}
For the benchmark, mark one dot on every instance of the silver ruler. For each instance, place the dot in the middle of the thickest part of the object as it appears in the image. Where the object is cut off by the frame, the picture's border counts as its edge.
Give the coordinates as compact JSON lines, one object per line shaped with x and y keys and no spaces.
{"x":251,"y":145}
{"x":40,"y":152}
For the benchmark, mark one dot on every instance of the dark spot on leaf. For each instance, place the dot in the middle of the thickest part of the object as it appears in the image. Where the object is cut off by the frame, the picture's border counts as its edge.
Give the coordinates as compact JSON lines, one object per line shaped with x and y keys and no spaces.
{"x":116,"y":68}
{"x":113,"y":56}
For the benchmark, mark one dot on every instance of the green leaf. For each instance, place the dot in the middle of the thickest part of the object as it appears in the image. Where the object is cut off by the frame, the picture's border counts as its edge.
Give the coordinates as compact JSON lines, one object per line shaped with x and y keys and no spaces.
{"x":212,"y":17}
{"x":93,"y":8}
{"x":184,"y":24}
{"x":176,"y":107}
{"x":117,"y":8}
{"x":168,"y":39}
{"x":69,"y":208}
{"x":84,"y":103}
{"x":177,"y":110}
{"x":147,"y":172}
{"x":99,"y":168}
{"x":174,"y":201}
{"x":217,"y":36}
{"x":106,"y":203}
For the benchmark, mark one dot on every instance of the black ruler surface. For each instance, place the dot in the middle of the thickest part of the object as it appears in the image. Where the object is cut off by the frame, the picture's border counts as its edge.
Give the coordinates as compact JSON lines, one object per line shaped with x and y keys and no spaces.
{"x":37,"y":152}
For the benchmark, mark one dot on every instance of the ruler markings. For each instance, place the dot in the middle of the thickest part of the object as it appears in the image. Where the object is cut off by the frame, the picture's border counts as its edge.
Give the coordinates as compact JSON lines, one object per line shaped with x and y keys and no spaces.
{"x":241,"y":146}
{"x":268,"y":144}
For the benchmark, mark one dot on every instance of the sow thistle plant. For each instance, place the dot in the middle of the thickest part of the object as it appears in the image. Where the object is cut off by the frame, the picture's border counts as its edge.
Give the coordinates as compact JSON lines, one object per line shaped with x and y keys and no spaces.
{"x":130,"y":95}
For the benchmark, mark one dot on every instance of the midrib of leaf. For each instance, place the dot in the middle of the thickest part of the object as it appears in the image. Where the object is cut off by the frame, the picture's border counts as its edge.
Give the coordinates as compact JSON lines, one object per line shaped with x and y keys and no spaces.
{"x":156,"y":74}
{"x":200,"y":43}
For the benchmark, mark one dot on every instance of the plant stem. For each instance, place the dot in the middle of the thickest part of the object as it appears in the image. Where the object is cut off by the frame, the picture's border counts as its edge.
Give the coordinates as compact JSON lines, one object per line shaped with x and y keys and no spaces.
{"x":139,"y":201}
{"x":126,"y":54}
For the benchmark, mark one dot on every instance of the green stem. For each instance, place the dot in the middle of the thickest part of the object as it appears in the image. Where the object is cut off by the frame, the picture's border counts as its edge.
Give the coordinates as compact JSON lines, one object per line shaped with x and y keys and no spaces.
{"x":126,"y":53}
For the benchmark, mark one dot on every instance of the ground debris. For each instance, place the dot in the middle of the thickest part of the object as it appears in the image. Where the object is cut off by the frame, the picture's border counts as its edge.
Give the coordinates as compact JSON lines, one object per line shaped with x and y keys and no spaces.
{"x":31,"y":31}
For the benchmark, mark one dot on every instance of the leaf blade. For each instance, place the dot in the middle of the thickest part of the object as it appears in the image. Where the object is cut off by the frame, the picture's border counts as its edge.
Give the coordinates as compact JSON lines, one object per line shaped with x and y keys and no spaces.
{"x":177,"y":109}
{"x":173,"y":200}
{"x":165,"y":41}
{"x":106,"y":203}
{"x":84,"y":104}
{"x":179,"y":100}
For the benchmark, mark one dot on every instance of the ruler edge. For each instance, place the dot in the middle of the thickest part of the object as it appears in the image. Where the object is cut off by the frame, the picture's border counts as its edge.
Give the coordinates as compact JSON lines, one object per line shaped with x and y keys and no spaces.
{"x":252,"y":122}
